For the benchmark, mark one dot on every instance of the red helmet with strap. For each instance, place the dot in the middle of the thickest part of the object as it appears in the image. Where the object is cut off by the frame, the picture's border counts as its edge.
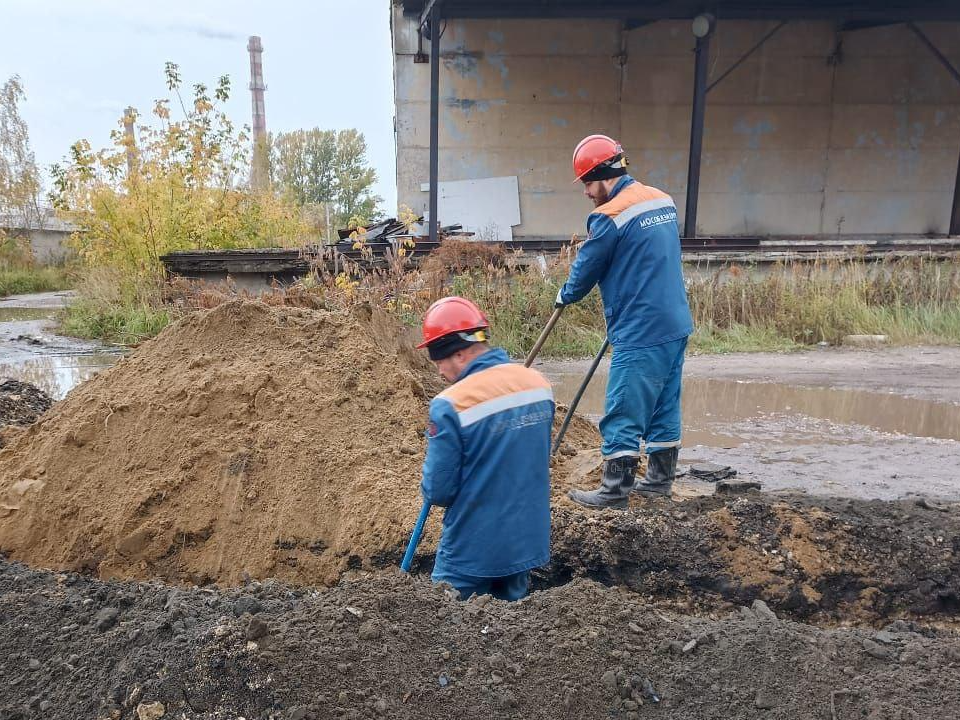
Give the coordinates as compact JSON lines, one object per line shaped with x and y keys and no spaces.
{"x":451,"y":315}
{"x":598,"y":157}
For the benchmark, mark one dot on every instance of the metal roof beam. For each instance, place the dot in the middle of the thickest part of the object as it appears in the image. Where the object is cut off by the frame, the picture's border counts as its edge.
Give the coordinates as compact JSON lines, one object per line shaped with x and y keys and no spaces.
{"x":944,"y":60}
{"x":634,"y":24}
{"x":853,"y":26}
{"x":427,"y":9}
{"x":747,"y":54}
{"x":864,"y":11}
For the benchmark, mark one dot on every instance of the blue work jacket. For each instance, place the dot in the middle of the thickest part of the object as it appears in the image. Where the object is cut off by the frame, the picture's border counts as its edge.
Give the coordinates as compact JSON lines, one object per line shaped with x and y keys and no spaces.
{"x":632,"y":251}
{"x":488,"y":464}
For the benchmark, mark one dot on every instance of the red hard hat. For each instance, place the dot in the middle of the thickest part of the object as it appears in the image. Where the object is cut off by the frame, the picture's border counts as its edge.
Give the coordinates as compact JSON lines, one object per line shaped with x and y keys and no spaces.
{"x":592,"y":151}
{"x":451,"y":315}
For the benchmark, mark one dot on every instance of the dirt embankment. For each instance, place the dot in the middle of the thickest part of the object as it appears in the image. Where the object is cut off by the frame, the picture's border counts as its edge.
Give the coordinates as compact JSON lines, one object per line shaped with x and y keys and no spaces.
{"x":394,"y":646}
{"x":247,"y":440}
{"x":818,"y":559}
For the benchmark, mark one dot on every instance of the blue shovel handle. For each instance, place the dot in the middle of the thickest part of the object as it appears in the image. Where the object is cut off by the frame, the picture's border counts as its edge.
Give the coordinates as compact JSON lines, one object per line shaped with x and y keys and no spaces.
{"x":415,"y":538}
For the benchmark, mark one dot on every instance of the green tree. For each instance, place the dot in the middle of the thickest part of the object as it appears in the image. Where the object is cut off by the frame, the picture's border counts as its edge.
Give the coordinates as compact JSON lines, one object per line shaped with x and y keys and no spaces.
{"x":327,"y":172}
{"x":19,"y":178}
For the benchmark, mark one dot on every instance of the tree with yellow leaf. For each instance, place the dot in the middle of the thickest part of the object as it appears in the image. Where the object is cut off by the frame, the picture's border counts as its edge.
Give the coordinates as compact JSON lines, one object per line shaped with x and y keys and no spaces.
{"x":176,"y":183}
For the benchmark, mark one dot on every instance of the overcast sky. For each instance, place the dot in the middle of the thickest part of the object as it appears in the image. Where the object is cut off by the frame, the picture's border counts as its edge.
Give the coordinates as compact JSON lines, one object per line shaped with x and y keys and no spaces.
{"x":326,"y":64}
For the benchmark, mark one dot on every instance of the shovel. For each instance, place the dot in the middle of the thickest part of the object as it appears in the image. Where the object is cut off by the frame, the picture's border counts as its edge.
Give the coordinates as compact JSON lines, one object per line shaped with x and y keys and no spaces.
{"x":543,"y":336}
{"x":576,"y":398}
{"x":415,"y":538}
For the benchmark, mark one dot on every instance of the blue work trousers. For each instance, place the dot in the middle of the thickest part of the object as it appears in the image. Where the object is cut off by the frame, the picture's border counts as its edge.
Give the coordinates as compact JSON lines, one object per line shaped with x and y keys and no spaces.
{"x":509,"y":587}
{"x":643,"y":400}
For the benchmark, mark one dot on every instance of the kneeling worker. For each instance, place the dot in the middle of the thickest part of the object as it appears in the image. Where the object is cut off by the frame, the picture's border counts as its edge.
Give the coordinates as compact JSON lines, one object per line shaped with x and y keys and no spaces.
{"x":488,"y":455}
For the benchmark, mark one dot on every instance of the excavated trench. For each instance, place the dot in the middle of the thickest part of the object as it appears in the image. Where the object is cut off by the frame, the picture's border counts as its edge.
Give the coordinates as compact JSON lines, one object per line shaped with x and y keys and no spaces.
{"x":820,"y":561}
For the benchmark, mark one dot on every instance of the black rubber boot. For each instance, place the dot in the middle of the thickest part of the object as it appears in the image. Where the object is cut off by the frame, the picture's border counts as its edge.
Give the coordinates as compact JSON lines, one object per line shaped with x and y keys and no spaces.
{"x":661,"y":470}
{"x":614,"y":491}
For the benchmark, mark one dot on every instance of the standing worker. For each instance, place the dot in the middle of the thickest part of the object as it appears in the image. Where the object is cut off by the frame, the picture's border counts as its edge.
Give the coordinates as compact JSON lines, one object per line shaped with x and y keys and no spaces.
{"x":488,"y":457}
{"x":632,"y":251}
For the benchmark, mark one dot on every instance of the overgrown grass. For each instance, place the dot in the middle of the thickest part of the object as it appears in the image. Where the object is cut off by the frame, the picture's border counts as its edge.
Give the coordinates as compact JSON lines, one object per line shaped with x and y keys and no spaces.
{"x":19,"y":273}
{"x":783,"y":308}
{"x":116,"y":310}
{"x":786,"y":307}
{"x":910,"y":300}
{"x":519,"y":305}
{"x":739,"y":338}
{"x":122,"y":325}
{"x":20,"y":280}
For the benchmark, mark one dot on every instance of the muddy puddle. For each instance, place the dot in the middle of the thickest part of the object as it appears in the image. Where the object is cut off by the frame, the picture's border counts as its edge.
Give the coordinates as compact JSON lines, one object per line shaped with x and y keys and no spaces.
{"x":820,"y":439}
{"x":22,"y":314}
{"x":30,"y":350}
{"x":713,"y":408}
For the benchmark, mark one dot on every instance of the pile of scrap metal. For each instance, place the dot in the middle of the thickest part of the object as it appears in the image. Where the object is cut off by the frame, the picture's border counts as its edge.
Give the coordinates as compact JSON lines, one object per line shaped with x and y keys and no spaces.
{"x":380,"y":243}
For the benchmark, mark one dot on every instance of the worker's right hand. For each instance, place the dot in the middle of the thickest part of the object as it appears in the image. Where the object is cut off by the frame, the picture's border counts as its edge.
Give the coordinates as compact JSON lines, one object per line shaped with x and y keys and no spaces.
{"x":559,"y":303}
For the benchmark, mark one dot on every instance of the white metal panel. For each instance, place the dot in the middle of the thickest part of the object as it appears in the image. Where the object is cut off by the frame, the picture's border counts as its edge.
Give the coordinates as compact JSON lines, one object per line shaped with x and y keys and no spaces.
{"x":489,"y":207}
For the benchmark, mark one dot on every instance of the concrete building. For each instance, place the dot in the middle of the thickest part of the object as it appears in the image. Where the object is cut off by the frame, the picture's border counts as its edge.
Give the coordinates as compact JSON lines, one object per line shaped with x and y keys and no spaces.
{"x":48,"y":235}
{"x":842,"y":120}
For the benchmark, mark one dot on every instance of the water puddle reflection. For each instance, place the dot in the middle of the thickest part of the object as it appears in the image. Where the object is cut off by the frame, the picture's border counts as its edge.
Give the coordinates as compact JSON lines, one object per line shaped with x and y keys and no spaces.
{"x":58,"y":374}
{"x":21,"y":314}
{"x":727,"y":413}
{"x":31,"y":352}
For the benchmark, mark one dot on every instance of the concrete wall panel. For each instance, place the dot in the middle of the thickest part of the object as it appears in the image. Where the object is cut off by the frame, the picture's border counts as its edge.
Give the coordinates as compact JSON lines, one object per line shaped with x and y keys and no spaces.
{"x":404,"y":33}
{"x":773,"y":127}
{"x":556,"y":127}
{"x":664,"y":169}
{"x":549,"y":38}
{"x":885,"y":41}
{"x":895,"y":126}
{"x":763,"y":171}
{"x":644,"y":127}
{"x":801,"y":38}
{"x":873,"y":80}
{"x":891,"y":169}
{"x":660,"y":39}
{"x":471,"y":77}
{"x":759,"y":214}
{"x":874,"y":212}
{"x":658,"y":81}
{"x":543,"y":213}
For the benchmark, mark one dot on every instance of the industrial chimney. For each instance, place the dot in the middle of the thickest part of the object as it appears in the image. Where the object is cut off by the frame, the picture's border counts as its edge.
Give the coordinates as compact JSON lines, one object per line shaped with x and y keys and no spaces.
{"x":130,"y":139}
{"x":258,"y":168}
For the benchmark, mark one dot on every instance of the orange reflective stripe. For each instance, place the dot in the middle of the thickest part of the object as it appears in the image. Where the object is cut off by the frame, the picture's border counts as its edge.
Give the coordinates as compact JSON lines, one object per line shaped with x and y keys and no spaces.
{"x":631,"y":195}
{"x":492,"y":383}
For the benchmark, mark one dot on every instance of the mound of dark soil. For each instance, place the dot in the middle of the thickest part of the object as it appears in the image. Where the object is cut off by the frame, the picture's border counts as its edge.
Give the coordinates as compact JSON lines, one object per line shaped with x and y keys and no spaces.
{"x":393,"y":646}
{"x":818,"y":559}
{"x":21,"y":403}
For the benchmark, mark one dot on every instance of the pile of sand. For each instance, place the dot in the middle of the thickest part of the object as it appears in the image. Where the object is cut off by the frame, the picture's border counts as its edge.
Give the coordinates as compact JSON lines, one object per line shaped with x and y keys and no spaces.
{"x":246,"y":440}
